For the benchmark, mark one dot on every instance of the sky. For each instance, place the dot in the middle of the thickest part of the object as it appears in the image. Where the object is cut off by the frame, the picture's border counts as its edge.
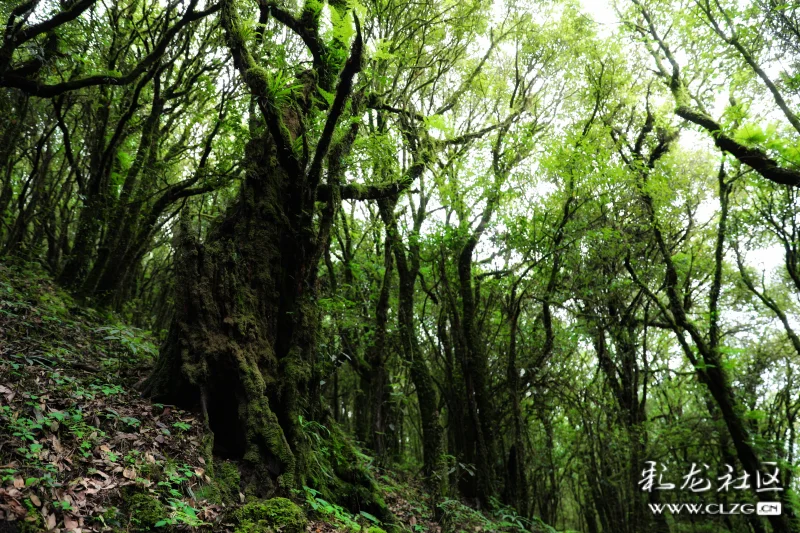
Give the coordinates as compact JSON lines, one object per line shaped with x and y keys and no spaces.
{"x":603,"y":13}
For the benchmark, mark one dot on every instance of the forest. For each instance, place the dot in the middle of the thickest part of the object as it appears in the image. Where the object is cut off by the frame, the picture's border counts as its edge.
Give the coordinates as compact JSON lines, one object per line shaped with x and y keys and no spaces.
{"x":383,"y":266}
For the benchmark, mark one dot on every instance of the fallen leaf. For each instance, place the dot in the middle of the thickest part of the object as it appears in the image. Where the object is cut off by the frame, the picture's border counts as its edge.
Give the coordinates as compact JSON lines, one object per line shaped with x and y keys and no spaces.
{"x":8,"y":393}
{"x":19,"y":482}
{"x":129,"y":473}
{"x":70,"y":523}
{"x":51,"y":521}
{"x":35,"y":500}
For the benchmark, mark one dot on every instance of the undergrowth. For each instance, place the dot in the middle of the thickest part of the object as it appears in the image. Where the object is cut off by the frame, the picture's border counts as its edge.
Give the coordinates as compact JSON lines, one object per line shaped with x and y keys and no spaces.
{"x":80,"y":450}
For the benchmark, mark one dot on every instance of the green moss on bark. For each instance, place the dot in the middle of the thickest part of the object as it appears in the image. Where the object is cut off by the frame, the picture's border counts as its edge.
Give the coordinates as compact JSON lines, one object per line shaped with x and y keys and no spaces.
{"x":353,"y":485}
{"x":225,"y":484}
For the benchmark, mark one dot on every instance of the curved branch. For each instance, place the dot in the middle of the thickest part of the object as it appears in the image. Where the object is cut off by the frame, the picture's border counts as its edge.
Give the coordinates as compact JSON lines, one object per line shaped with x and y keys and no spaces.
{"x":14,"y":37}
{"x":256,"y":79}
{"x":343,"y":91}
{"x":43,"y":90}
{"x":353,"y":191}
{"x":755,"y":158}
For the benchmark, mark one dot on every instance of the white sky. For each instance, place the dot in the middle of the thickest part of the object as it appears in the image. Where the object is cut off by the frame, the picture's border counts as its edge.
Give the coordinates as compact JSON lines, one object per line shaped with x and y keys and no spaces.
{"x":603,"y":13}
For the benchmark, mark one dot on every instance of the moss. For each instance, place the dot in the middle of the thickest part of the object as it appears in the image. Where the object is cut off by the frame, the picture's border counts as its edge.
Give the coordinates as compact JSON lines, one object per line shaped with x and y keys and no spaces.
{"x":153,"y":472}
{"x":355,"y":486}
{"x":278,"y":513}
{"x":227,"y":481}
{"x":112,"y":518}
{"x":31,"y":526}
{"x":225,"y":484}
{"x":258,"y":79}
{"x":375,"y":529}
{"x":263,"y":427}
{"x":145,"y":510}
{"x":458,"y":517}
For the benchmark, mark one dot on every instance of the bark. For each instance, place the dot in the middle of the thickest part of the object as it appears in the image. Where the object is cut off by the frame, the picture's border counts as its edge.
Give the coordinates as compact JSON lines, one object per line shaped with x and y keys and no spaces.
{"x":244,"y":334}
{"x":94,"y":209}
{"x":408,"y":270}
{"x":516,"y":488}
{"x":30,"y":197}
{"x":376,"y":382}
{"x":475,"y":371}
{"x":8,"y":145}
{"x":459,"y":429}
{"x":125,"y":215}
{"x":244,"y":330}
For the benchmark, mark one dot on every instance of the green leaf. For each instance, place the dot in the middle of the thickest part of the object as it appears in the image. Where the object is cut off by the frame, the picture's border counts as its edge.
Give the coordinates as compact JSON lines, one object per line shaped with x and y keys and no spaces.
{"x":750,"y":134}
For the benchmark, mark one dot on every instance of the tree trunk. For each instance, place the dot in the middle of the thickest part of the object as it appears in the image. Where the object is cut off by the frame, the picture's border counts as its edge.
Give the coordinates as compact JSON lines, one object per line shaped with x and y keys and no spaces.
{"x":432,"y":433}
{"x":476,"y":372}
{"x":376,"y":382}
{"x":243,"y":335}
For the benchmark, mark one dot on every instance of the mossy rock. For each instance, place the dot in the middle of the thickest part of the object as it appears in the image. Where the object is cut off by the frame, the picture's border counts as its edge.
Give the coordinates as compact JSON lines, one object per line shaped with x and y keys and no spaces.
{"x":144,"y":511}
{"x":265,"y":516}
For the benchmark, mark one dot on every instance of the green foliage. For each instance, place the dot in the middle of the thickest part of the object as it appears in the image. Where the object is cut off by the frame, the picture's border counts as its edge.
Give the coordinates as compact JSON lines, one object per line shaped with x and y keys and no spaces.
{"x":458,"y":518}
{"x":132,"y":342}
{"x":181,"y":513}
{"x":546,"y":252}
{"x":330,"y":511}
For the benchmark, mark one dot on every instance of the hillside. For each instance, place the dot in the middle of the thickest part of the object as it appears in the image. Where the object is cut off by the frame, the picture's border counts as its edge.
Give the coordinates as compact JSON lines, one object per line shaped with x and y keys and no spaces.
{"x":81,"y":450}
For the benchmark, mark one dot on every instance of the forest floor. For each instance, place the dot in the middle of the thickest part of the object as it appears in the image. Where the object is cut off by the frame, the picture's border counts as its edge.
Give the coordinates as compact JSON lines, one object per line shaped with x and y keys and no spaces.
{"x":81,"y":450}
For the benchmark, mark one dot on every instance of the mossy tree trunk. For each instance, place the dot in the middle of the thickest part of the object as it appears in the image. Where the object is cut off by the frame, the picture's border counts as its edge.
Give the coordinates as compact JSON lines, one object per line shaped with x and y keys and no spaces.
{"x":375,"y":402}
{"x":408,"y":266}
{"x":367,"y":353}
{"x":243,"y":340}
{"x":16,"y":105}
{"x":243,"y":336}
